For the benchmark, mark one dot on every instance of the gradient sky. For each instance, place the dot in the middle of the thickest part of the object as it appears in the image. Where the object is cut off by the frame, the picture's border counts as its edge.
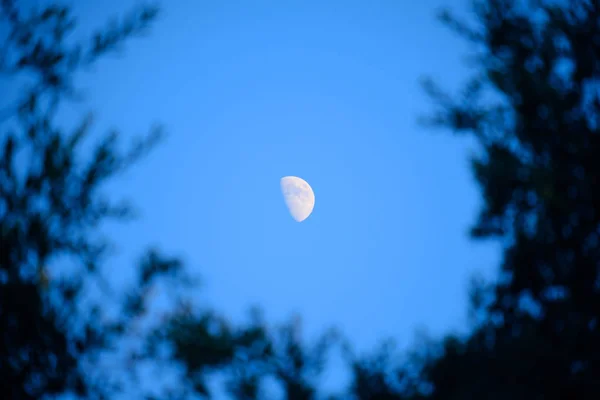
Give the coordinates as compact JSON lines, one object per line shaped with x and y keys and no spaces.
{"x":328,"y":91}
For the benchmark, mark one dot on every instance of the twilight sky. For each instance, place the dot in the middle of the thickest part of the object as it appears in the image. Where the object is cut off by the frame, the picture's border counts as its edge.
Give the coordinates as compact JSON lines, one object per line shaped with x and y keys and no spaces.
{"x":328,"y":91}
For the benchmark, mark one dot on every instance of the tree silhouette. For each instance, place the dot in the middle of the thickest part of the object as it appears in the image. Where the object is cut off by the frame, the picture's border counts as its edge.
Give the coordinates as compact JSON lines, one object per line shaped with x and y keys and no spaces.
{"x":533,"y":106}
{"x":51,"y":204}
{"x":250,"y":356}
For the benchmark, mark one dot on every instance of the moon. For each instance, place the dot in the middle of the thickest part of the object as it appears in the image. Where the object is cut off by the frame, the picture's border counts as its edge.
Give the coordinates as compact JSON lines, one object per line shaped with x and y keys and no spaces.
{"x":299,"y":197}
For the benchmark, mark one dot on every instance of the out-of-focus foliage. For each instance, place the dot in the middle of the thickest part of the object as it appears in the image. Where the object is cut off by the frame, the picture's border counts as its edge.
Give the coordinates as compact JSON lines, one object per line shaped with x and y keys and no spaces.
{"x":52,"y":332}
{"x":534,"y":107}
{"x":254,"y":358}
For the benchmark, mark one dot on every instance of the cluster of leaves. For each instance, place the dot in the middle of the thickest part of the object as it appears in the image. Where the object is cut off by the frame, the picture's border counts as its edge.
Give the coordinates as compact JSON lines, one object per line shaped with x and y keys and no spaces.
{"x":51,"y":207}
{"x":249,"y":356}
{"x":533,"y":107}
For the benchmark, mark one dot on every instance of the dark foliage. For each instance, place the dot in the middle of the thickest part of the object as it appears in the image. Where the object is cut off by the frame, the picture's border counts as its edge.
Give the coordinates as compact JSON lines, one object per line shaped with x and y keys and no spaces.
{"x":50,"y":209}
{"x":534,"y":108}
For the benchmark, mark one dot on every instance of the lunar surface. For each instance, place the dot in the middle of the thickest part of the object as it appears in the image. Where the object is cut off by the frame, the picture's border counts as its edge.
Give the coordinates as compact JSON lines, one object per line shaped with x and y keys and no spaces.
{"x":299,"y":197}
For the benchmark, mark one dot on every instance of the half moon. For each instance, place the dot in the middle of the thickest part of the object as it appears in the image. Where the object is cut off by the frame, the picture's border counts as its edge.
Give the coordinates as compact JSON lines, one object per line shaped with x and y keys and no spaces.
{"x":299,"y":197}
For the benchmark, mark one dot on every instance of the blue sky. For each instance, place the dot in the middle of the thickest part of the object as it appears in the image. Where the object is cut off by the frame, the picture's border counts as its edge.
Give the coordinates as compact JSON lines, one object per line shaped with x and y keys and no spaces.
{"x":250,"y":92}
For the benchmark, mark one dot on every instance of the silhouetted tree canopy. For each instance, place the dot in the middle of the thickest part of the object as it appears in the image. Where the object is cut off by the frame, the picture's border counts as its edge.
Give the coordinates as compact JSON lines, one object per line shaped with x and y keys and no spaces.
{"x":51,"y":206}
{"x":533,"y":106}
